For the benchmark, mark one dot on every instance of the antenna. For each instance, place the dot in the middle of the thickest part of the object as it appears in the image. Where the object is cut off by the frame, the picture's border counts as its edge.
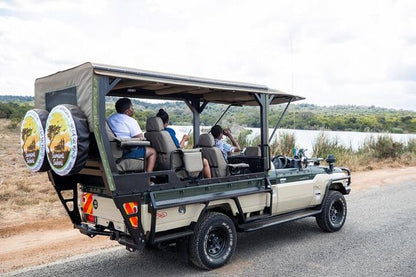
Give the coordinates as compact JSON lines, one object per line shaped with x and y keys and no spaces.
{"x":292,"y":77}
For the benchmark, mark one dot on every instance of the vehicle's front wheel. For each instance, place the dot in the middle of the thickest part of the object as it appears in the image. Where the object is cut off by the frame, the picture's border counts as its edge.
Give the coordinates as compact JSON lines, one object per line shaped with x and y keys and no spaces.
{"x":213,"y":242}
{"x":334,"y":212}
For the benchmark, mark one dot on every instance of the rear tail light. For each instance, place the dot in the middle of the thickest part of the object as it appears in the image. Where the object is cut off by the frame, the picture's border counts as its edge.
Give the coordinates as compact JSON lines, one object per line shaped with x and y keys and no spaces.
{"x":87,"y":207}
{"x":134,"y":221}
{"x":131,"y":208}
{"x":90,"y":218}
{"x":87,"y":199}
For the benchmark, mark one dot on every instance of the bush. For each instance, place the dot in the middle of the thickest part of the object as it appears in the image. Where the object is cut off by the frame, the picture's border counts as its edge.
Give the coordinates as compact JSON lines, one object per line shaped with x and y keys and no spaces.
{"x":14,"y":111}
{"x":323,"y":146}
{"x":242,"y":138}
{"x":383,"y":147}
{"x":284,"y":145}
{"x":411,"y":146}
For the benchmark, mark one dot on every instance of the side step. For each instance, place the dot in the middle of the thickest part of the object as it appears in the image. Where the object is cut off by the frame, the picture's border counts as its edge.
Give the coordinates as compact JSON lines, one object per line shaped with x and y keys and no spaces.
{"x":275,"y":220}
{"x":173,"y":236}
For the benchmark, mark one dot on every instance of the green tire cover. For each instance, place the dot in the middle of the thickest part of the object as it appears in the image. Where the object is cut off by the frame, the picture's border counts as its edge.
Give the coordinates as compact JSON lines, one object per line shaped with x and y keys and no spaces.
{"x":67,"y":139}
{"x":32,"y":140}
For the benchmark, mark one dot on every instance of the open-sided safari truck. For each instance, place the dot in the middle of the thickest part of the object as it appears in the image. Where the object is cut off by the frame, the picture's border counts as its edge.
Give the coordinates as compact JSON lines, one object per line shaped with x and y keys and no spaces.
{"x":67,"y":135}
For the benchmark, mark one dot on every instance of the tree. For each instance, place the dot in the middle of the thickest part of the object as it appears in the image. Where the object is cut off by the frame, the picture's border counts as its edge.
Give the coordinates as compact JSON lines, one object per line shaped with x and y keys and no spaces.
{"x":26,"y":133}
{"x":53,"y":130}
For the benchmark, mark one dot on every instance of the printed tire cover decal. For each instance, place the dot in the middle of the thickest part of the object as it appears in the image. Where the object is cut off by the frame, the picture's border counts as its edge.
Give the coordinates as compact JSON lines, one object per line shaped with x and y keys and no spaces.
{"x":32,"y":140}
{"x":67,"y":139}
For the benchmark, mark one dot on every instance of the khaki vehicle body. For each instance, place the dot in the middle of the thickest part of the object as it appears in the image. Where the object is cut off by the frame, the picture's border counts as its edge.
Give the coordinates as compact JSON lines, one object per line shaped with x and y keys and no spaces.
{"x":107,"y":198}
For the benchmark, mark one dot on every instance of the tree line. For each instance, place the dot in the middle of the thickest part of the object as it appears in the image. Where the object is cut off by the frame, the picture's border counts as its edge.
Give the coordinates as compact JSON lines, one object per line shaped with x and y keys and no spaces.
{"x":298,"y":116}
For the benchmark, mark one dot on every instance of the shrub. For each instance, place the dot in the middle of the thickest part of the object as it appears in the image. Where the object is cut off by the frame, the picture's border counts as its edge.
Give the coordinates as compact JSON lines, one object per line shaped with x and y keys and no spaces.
{"x":287,"y":143}
{"x":324,"y":146}
{"x":411,"y":146}
{"x":242,"y":138}
{"x":383,"y":147}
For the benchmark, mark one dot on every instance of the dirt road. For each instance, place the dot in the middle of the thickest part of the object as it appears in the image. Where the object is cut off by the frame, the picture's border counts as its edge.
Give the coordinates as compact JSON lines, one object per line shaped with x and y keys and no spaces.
{"x":36,"y":242}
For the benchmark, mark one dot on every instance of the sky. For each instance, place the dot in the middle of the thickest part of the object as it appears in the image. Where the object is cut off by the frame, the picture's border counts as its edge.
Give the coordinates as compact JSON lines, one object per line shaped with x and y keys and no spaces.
{"x":331,"y":52}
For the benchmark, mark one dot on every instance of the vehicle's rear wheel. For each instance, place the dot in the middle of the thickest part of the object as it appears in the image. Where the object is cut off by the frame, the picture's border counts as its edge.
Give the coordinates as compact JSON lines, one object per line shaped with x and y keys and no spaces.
{"x":334,"y":212}
{"x":213,"y":242}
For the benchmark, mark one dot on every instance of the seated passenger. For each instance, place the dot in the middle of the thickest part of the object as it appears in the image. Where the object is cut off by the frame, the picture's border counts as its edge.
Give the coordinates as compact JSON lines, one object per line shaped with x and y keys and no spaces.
{"x":165,"y":118}
{"x":125,"y":126}
{"x":226,"y":149}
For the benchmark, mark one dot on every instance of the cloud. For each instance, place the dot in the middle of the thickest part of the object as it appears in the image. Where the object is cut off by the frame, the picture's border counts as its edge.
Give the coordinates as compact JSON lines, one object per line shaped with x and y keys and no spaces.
{"x":355,"y":52}
{"x":403,"y":73}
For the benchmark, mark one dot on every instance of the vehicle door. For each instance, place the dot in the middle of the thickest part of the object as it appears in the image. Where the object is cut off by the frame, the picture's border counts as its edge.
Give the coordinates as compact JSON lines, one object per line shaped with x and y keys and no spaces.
{"x":294,"y":190}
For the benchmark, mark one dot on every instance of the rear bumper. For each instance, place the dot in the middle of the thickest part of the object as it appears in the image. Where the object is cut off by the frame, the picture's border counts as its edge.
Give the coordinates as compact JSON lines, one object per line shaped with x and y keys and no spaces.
{"x":114,"y":235}
{"x":92,"y":232}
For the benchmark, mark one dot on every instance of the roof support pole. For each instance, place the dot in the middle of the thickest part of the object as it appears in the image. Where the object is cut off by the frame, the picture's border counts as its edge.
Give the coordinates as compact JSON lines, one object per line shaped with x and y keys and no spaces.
{"x":222,"y":115}
{"x":196,"y":108}
{"x":263,"y":101}
{"x":280,"y":119}
{"x":101,"y":86}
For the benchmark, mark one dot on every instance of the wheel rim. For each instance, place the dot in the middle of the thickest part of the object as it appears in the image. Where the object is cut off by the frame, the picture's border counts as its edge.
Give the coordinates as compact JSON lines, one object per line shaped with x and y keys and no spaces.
{"x":216,"y":242}
{"x":336,"y":212}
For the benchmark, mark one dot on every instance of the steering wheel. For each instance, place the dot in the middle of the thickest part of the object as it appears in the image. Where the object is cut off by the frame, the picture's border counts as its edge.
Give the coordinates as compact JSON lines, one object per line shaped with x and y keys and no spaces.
{"x":280,"y":161}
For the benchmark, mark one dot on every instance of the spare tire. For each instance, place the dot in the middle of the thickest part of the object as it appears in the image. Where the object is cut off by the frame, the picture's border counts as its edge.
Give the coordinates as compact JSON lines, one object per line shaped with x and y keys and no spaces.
{"x":67,"y":139}
{"x":32,"y":140}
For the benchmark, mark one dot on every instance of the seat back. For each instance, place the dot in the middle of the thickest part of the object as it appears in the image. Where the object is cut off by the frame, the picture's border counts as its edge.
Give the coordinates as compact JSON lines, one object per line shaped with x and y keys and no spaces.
{"x":214,"y":156}
{"x":192,"y":161}
{"x":123,"y":165}
{"x":163,"y":144}
{"x":253,"y":151}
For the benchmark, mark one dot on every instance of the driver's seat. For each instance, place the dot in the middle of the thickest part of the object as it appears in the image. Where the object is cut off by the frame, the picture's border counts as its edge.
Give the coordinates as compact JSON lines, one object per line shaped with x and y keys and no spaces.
{"x":218,"y":165}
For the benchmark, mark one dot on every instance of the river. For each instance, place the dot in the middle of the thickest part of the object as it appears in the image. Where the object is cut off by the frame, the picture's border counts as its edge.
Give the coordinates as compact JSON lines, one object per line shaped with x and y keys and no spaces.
{"x":306,"y":138}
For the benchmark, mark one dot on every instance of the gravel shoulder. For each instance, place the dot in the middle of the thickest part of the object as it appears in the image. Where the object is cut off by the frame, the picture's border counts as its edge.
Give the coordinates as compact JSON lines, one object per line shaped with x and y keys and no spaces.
{"x":29,"y":241}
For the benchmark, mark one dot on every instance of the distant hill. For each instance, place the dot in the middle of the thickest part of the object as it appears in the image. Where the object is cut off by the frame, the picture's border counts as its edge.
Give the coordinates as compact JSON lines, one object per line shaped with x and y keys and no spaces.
{"x":14,"y":98}
{"x":300,"y":116}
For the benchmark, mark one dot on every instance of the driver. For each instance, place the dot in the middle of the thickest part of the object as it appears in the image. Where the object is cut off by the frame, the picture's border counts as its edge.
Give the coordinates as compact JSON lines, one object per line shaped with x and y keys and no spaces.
{"x":226,"y":149}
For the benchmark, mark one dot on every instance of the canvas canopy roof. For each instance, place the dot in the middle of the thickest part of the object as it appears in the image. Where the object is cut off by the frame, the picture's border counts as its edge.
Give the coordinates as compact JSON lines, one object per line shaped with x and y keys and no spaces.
{"x":83,"y":81}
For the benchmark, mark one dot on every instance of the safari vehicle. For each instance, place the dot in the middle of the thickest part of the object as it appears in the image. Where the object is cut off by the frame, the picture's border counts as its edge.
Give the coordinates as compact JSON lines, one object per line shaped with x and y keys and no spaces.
{"x":107,"y":195}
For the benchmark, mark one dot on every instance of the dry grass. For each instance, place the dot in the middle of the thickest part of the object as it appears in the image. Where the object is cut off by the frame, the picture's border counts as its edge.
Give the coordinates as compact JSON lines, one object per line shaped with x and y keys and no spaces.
{"x":23,"y":195}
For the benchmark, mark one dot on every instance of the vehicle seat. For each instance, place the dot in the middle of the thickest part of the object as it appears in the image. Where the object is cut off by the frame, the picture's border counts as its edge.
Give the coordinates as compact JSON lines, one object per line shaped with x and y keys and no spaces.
{"x":218,"y":165}
{"x":123,"y":165}
{"x":253,"y":151}
{"x":186,"y":163}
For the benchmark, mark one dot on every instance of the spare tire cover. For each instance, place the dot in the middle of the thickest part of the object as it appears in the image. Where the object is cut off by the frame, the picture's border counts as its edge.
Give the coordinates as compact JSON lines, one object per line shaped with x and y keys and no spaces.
{"x":32,"y":140}
{"x":67,"y":139}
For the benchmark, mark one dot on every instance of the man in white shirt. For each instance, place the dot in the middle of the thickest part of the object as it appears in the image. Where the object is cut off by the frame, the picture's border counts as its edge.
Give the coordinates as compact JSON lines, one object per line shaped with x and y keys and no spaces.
{"x":125,"y":126}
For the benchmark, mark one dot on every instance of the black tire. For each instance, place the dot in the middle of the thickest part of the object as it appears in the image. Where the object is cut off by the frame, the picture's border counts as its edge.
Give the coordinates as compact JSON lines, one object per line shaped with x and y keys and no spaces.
{"x":213,"y":242}
{"x":71,"y":125}
{"x":32,"y":140}
{"x":334,"y":212}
